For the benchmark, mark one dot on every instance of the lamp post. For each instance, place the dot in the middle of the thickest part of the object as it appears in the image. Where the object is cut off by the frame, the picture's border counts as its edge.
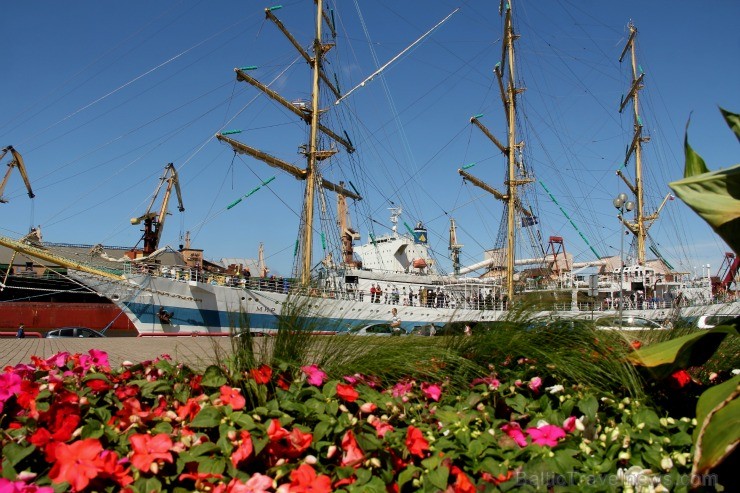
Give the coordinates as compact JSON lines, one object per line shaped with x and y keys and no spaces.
{"x":622,"y":204}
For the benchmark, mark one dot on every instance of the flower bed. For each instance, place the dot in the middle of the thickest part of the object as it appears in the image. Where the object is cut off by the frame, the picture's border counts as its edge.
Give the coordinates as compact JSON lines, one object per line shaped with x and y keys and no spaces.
{"x":71,"y":423}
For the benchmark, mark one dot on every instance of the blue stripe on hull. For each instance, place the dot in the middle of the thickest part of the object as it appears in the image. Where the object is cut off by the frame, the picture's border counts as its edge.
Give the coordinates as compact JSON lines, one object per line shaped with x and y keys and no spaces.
{"x":223,"y":321}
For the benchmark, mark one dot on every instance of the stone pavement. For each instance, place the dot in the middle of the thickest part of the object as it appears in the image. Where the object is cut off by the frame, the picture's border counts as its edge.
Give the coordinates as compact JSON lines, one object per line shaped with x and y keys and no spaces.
{"x":196,"y":352}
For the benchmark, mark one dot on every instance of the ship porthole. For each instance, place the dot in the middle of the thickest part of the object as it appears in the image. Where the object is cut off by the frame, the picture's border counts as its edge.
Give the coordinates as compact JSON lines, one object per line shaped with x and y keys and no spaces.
{"x":114,"y":297}
{"x":243,"y":298}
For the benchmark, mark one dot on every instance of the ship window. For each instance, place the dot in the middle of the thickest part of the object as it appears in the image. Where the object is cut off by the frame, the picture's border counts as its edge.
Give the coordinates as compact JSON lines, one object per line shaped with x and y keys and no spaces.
{"x":29,"y":266}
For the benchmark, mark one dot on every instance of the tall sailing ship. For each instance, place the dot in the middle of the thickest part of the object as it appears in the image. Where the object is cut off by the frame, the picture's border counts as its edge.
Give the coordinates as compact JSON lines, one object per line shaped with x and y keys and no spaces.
{"x":361,"y":284}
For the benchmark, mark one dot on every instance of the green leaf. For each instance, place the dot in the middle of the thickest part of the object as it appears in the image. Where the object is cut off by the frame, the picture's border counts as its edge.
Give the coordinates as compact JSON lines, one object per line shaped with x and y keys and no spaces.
{"x":733,"y":121}
{"x":147,"y":485}
{"x":407,"y":475}
{"x":213,"y":465}
{"x":518,"y":403}
{"x":155,"y":388}
{"x":320,"y":430}
{"x":213,"y":377}
{"x":363,"y":476}
{"x":565,"y":462}
{"x":203,"y":449}
{"x":664,"y":358}
{"x":695,"y":165}
{"x":588,"y":406}
{"x":722,"y":434}
{"x":242,"y":420}
{"x":15,"y":453}
{"x":92,"y":429}
{"x":162,"y":427}
{"x":208,"y":417}
{"x":438,"y":477}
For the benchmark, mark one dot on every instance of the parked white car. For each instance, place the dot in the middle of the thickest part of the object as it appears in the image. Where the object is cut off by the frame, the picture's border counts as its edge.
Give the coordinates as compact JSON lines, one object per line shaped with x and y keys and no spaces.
{"x":381,"y":329}
{"x":627,"y":323}
{"x":711,"y":321}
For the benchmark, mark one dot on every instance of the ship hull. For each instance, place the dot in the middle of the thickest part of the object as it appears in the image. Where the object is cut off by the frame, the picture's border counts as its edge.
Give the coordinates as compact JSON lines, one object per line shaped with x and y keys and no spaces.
{"x":213,"y":308}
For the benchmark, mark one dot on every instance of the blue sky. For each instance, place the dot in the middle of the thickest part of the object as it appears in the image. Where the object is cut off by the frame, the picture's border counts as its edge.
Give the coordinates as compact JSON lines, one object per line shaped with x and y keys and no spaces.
{"x":100,"y":96}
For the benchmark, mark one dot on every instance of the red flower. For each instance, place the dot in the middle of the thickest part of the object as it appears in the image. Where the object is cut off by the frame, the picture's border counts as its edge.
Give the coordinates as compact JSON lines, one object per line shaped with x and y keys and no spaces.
{"x":189,"y":410}
{"x":257,"y":483}
{"x":232,"y":396}
{"x":98,"y":385}
{"x":285,"y":444}
{"x":501,"y":478}
{"x":347,"y":392}
{"x":77,"y":463}
{"x":112,"y":467}
{"x":147,"y":449}
{"x":415,"y":442}
{"x":462,"y":483}
{"x":244,"y":448}
{"x":353,"y":454}
{"x":305,"y":480}
{"x":261,"y":375}
{"x":636,"y":344}
{"x":680,"y":379}
{"x":61,"y":420}
{"x":284,"y":380}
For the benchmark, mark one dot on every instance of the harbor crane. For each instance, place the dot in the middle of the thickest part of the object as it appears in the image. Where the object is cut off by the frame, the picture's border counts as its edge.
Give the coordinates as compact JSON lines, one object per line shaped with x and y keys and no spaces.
{"x":154,"y":221}
{"x":17,"y":161}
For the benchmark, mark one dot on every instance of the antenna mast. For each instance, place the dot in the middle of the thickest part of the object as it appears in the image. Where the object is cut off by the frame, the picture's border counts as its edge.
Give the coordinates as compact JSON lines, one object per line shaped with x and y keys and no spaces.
{"x":639,"y":227}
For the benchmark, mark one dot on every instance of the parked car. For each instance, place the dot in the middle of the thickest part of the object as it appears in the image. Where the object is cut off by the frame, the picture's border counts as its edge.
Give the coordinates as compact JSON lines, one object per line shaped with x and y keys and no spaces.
{"x":426,"y":330}
{"x":381,"y":329}
{"x":627,"y":323}
{"x":711,"y":321}
{"x":73,"y":332}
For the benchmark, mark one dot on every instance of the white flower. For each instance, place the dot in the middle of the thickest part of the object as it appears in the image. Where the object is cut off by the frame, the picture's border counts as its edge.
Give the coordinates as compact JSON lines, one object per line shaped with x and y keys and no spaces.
{"x":625,"y":455}
{"x":736,"y":371}
{"x":666,"y":463}
{"x":542,"y":423}
{"x":555,"y":389}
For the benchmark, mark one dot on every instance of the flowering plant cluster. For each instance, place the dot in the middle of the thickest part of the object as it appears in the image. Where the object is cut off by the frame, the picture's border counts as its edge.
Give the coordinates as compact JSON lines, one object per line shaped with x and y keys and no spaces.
{"x":71,"y":423}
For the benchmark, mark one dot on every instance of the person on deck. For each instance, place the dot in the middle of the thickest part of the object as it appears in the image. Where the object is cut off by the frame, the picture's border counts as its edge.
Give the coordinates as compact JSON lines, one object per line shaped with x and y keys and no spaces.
{"x":21,"y":332}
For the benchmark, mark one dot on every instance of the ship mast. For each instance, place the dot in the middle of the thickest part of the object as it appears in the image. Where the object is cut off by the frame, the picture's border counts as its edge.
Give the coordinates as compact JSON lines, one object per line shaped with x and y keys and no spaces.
{"x":314,"y":155}
{"x":507,"y":85}
{"x":639,"y":227}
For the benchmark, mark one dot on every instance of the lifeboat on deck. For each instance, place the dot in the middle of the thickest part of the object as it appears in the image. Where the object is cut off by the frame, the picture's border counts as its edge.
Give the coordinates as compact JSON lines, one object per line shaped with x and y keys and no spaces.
{"x":419,"y":263}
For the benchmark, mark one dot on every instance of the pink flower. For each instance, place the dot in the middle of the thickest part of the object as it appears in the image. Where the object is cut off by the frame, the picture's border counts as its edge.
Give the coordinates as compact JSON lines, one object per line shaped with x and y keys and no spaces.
{"x":21,"y":487}
{"x":10,"y":384}
{"x":491,"y":381}
{"x":402,"y":388}
{"x":96,"y":358}
{"x":547,"y":435}
{"x":258,"y":483}
{"x":535,"y":384}
{"x":382,"y":427}
{"x":368,"y":407}
{"x":315,"y":375}
{"x":515,"y":431}
{"x":569,"y":425}
{"x":431,"y":391}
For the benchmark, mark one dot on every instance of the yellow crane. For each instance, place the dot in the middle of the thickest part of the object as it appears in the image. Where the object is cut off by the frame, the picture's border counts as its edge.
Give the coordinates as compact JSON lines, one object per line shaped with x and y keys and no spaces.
{"x":17,"y":161}
{"x":154,"y":221}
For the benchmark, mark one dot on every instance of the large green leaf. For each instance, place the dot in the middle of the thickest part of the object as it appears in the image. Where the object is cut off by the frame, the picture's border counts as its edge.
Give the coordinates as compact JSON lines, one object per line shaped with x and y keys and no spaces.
{"x":733,"y":121}
{"x":695,"y":165}
{"x":715,"y":196}
{"x":664,"y":358}
{"x":718,"y":438}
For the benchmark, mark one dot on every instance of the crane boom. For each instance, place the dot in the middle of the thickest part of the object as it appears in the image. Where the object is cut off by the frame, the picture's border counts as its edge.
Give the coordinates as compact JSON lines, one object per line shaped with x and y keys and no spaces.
{"x":154,"y":221}
{"x":17,"y":161}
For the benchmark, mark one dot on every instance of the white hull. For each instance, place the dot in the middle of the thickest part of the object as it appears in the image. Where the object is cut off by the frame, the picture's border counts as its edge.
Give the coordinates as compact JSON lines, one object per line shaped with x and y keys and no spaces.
{"x":204,"y":307}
